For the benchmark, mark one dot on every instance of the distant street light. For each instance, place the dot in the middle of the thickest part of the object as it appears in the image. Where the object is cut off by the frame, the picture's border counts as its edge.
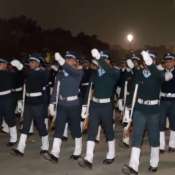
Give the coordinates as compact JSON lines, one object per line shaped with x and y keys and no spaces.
{"x":130,"y":38}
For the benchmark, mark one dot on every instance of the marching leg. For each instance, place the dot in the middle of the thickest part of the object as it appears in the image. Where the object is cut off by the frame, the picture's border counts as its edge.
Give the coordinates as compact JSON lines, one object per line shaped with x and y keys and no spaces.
{"x":110,"y":157}
{"x":55,"y":152}
{"x":172,"y":142}
{"x":162,"y":141}
{"x":78,"y":148}
{"x":133,"y":167}
{"x":19,"y":151}
{"x":88,"y":159}
{"x":13,"y":136}
{"x":154,"y":159}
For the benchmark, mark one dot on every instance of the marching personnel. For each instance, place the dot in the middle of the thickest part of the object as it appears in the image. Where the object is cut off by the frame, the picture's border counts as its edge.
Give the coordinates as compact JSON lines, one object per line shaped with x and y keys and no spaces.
{"x":101,"y":108}
{"x":65,"y":96}
{"x":6,"y":101}
{"x":168,"y":105}
{"x":146,"y":114}
{"x":35,"y":82}
{"x":132,"y":62}
{"x":17,"y":71}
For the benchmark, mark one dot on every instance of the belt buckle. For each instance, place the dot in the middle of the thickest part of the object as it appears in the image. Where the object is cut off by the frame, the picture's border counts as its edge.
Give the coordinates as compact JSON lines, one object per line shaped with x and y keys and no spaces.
{"x":169,"y":95}
{"x":149,"y":102}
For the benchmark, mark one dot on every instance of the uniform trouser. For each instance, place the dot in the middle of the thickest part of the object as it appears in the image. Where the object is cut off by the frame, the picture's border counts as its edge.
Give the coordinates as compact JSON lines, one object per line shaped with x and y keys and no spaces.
{"x":35,"y":113}
{"x":145,"y":121}
{"x":70,"y":114}
{"x":150,"y":122}
{"x":6,"y":110}
{"x":167,"y":110}
{"x":101,"y":114}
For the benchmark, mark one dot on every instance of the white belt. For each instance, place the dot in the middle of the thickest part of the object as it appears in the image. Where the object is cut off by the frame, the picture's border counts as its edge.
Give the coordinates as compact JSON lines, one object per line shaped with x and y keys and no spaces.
{"x":148,"y":102}
{"x":5,"y":92}
{"x":70,"y":98}
{"x":17,"y":89}
{"x":85,"y":84}
{"x":35,"y":94}
{"x":101,"y":100}
{"x":169,"y":95}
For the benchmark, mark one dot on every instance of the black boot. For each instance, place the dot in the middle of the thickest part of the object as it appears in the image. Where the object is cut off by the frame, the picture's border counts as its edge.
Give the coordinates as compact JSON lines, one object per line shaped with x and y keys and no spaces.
{"x":152,"y":169}
{"x":16,"y":152}
{"x":108,"y":161}
{"x":75,"y":157}
{"x":85,"y":164}
{"x":128,"y":170}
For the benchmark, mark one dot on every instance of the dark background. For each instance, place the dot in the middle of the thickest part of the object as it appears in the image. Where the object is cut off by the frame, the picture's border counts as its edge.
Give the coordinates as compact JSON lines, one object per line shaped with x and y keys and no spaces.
{"x":39,"y":25}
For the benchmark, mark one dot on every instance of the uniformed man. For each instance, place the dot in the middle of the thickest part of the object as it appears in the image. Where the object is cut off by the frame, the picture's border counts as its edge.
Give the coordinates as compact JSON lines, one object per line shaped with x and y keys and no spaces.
{"x":101,"y":108}
{"x":35,"y":83}
{"x":6,"y":101}
{"x":146,"y":114}
{"x":168,"y":105}
{"x":133,"y":62}
{"x":65,"y":95}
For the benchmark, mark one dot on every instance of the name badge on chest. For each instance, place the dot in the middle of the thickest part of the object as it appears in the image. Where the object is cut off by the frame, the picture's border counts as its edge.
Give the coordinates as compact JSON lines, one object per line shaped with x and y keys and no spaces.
{"x":65,"y":73}
{"x":146,"y":73}
{"x":101,"y":72}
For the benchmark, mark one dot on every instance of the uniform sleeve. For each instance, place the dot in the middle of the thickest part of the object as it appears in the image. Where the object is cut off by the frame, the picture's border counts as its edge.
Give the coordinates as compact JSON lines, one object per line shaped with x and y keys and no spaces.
{"x":72,"y":71}
{"x":159,"y":74}
{"x":110,"y":70}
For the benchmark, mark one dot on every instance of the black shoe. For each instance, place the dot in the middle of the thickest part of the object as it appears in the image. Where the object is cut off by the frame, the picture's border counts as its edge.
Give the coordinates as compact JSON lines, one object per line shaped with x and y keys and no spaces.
{"x":10,"y":144}
{"x":171,"y":149}
{"x":52,"y":158}
{"x":152,"y":169}
{"x":128,"y":170}
{"x":45,"y":154}
{"x":17,"y":153}
{"x":75,"y":157}
{"x":108,"y":161}
{"x":162,"y":151}
{"x":85,"y":164}
{"x":64,"y":139}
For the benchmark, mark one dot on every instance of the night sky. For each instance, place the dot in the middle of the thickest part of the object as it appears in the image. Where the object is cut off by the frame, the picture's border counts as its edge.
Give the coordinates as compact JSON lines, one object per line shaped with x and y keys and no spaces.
{"x":151,"y":21}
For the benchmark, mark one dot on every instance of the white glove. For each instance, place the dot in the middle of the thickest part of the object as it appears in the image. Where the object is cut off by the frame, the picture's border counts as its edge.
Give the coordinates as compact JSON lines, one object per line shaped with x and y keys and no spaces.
{"x":83,"y":112}
{"x":129,"y":63}
{"x":118,"y":91}
{"x":160,"y":67}
{"x":54,"y":67}
{"x":126,"y":118}
{"x":19,"y":107}
{"x":95,"y":54}
{"x":52,"y":111}
{"x":147,"y":58}
{"x":59,"y":59}
{"x":168,"y":76}
{"x":17,"y":64}
{"x":120,"y":105}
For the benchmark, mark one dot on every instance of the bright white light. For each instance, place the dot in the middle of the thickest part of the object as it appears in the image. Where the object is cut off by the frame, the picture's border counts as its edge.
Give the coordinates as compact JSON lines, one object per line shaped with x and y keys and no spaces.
{"x":130,"y":37}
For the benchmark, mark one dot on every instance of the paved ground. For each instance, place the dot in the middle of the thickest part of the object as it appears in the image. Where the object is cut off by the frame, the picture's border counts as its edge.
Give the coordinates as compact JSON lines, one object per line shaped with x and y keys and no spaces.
{"x":33,"y":164}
